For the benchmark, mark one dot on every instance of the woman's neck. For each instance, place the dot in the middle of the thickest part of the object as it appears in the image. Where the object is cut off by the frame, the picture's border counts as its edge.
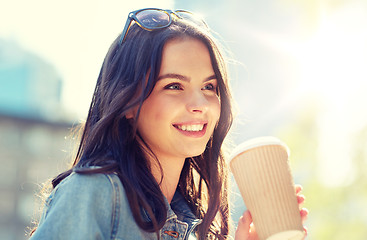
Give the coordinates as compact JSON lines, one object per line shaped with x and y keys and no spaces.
{"x":171,"y":169}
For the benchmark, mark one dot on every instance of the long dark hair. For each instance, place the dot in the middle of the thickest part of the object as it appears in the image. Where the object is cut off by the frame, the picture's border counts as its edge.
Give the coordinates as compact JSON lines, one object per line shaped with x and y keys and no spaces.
{"x":111,"y":141}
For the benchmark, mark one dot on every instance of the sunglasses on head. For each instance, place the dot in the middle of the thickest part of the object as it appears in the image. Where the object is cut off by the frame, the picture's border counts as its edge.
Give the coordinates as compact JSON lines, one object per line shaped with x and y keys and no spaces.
{"x":154,"y":18}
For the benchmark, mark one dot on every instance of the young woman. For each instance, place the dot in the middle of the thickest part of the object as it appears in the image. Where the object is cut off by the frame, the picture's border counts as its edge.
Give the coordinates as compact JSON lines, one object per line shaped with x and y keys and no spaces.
{"x":149,"y":163}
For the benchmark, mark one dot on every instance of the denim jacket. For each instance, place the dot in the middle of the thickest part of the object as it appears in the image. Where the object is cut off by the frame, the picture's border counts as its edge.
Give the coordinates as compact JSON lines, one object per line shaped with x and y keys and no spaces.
{"x":95,"y":206}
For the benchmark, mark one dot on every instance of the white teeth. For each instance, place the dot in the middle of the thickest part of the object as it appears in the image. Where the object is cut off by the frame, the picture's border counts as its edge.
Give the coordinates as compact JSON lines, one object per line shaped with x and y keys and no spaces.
{"x":191,"y":128}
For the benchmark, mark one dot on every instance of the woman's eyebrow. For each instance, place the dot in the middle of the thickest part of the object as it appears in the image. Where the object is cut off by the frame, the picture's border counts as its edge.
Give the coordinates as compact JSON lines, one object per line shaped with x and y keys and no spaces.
{"x":210,"y":78}
{"x":174,"y":75}
{"x":182,"y":77}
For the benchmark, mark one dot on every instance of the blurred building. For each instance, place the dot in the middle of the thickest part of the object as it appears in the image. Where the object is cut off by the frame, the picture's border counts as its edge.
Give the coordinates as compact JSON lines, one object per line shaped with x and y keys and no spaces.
{"x":33,"y":143}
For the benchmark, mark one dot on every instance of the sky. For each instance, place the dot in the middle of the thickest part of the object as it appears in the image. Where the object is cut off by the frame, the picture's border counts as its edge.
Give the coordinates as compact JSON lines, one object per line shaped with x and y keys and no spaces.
{"x":338,"y":52}
{"x":74,"y":36}
{"x":327,"y":64}
{"x":330,"y":60}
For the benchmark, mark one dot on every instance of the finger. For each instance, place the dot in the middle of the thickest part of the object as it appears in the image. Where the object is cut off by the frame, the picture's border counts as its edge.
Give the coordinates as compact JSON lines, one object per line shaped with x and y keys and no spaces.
{"x":243,"y":227}
{"x":252,"y":235}
{"x":247,"y":216}
{"x":304,"y":214}
{"x":300,"y":199}
{"x":305,"y":232}
{"x":298,"y":188}
{"x":305,"y":229}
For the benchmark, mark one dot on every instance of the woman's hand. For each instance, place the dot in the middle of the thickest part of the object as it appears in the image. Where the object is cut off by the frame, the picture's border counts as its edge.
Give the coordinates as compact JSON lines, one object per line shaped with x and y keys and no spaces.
{"x":246,"y":229}
{"x":303,"y":211}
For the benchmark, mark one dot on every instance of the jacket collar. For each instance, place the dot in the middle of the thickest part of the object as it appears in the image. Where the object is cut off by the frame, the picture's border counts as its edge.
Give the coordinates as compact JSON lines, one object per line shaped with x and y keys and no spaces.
{"x":178,"y":209}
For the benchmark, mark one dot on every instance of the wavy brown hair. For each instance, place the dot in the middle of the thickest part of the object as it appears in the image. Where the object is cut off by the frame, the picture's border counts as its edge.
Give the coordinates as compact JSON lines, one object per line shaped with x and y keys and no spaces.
{"x":111,"y":141}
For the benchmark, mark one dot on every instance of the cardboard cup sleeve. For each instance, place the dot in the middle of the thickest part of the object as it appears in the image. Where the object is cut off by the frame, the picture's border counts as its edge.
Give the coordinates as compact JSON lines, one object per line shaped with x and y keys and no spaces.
{"x":261,"y":170}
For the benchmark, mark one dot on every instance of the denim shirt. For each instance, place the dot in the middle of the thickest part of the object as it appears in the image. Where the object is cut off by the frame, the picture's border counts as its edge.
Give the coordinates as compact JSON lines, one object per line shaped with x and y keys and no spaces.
{"x":95,"y":206}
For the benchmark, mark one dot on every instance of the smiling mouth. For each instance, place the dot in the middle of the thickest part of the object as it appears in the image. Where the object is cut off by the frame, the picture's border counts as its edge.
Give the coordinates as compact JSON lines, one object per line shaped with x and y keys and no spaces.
{"x":191,"y":127}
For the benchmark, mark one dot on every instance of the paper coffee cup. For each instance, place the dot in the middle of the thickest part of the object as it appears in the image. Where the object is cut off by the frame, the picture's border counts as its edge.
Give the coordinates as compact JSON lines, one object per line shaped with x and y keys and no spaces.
{"x":261,"y":169}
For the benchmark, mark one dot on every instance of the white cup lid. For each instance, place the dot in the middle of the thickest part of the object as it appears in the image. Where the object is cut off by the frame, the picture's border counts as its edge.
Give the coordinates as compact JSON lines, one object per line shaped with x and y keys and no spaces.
{"x":257,"y":142}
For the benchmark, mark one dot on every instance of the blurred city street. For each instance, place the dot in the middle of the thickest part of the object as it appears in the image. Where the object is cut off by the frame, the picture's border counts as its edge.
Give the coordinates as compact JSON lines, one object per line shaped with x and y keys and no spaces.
{"x":297,"y":69}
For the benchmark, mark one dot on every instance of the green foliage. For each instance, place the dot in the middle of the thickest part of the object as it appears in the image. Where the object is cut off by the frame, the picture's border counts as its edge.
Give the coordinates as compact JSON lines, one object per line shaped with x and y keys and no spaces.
{"x":339,"y":212}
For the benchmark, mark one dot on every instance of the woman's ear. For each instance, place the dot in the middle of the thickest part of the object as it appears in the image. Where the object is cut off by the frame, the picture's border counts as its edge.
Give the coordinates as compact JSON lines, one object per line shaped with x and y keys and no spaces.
{"x":131,"y":113}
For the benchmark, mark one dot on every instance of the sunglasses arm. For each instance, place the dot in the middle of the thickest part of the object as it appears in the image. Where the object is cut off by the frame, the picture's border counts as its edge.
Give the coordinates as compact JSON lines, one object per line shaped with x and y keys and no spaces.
{"x":126,"y":28}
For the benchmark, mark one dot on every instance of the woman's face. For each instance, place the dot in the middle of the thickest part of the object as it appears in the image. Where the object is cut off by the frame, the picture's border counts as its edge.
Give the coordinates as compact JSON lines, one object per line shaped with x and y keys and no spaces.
{"x":179,"y":117}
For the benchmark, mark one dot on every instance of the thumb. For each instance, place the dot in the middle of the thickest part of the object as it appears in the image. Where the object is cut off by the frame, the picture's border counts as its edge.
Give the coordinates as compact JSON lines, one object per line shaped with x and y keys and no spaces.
{"x":243,"y":228}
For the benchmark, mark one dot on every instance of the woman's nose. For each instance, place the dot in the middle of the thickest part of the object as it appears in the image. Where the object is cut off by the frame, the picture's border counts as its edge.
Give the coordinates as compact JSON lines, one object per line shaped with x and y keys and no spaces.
{"x":197,"y":102}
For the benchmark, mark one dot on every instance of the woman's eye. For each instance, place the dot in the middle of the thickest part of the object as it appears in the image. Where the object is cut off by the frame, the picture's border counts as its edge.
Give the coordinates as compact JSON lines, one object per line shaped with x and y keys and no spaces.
{"x":173,"y":86}
{"x":210,"y":86}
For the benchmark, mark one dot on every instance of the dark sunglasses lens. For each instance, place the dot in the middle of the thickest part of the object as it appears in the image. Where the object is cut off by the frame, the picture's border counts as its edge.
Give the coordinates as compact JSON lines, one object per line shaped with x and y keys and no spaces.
{"x":152,"y":19}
